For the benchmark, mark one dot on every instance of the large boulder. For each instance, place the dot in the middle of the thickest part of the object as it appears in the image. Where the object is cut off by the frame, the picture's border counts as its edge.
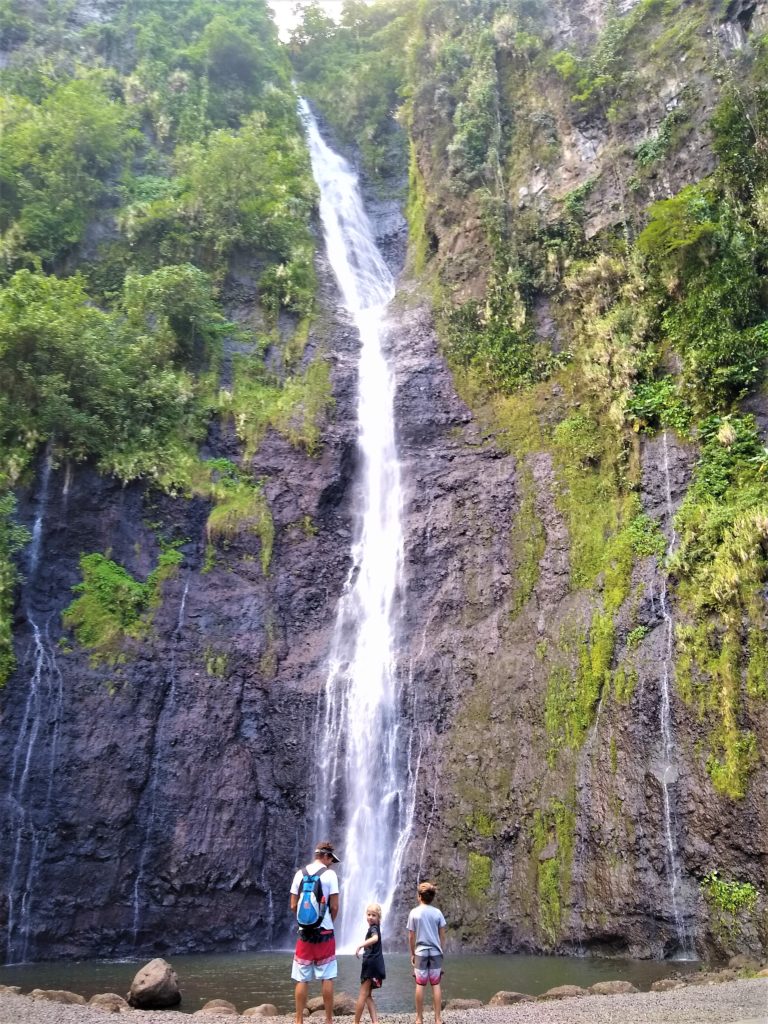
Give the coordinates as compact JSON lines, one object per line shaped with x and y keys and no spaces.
{"x":110,"y":1002}
{"x":56,"y":995}
{"x":612,"y":988}
{"x":563,"y":992}
{"x":155,"y":986}
{"x":510,"y":998}
{"x":262,"y":1010}
{"x":10,"y":990}
{"x":463,"y":1004}
{"x":343,"y":1004}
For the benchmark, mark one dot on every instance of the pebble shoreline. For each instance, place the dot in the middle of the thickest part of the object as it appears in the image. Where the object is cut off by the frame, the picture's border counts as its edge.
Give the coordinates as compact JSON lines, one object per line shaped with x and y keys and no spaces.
{"x":733,"y":1002}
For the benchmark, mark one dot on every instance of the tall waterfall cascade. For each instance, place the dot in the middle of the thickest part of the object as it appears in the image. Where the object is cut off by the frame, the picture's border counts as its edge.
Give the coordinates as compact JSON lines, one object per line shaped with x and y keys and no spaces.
{"x":669,"y":770}
{"x":361,"y":756}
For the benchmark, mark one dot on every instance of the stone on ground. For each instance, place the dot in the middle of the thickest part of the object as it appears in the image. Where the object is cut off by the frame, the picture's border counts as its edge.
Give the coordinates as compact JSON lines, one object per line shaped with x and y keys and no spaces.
{"x":110,"y":1002}
{"x":612,"y":988}
{"x":155,"y":986}
{"x":219,"y":1007}
{"x":10,"y":990}
{"x":262,"y":1010}
{"x":563,"y":992}
{"x":667,"y":985}
{"x":464,"y":1004}
{"x":510,"y":998}
{"x":343,"y":1004}
{"x":56,"y":995}
{"x":743,"y":962}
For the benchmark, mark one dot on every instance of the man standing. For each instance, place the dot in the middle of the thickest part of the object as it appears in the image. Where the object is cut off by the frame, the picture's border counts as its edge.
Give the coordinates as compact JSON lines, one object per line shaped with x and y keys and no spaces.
{"x":315,"y":955}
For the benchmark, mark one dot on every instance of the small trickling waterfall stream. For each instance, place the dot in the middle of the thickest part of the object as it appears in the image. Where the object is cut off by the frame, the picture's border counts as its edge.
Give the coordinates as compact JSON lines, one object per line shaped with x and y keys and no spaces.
{"x":35,"y":751}
{"x":161,"y":754}
{"x":363,"y":776}
{"x":668,"y":774}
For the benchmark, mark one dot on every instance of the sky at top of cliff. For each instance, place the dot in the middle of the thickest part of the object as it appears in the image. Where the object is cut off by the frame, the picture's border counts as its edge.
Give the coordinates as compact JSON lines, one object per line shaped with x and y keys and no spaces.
{"x":287,"y":14}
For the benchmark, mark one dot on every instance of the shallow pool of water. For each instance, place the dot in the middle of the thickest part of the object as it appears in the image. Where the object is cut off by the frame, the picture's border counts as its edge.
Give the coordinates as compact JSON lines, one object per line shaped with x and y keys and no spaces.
{"x":248,"y":979}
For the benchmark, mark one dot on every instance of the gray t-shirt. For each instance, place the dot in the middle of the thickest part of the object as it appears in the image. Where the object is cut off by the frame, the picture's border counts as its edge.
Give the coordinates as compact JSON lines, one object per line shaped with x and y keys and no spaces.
{"x":426,"y":920}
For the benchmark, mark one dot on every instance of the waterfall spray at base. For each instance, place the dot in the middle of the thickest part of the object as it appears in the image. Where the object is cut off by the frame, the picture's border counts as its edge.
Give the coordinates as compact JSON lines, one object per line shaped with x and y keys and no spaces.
{"x":363,"y":775}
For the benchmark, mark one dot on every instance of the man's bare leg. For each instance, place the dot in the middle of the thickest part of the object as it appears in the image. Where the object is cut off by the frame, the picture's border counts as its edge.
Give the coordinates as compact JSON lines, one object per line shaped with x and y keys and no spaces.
{"x":420,"y":1004}
{"x":301,"y":1000}
{"x":328,"y":1000}
{"x":437,"y":999}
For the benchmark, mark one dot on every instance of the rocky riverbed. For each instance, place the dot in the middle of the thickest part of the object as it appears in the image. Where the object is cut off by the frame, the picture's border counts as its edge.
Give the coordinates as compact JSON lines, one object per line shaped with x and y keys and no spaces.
{"x":735,"y":1002}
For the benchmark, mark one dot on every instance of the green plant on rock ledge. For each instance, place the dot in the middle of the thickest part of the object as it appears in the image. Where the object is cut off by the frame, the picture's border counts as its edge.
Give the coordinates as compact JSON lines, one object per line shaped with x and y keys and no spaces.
{"x":478,"y":876}
{"x":571,"y":697}
{"x":732,"y":906}
{"x":112,"y":606}
{"x":721,"y":566}
{"x":553,"y":833}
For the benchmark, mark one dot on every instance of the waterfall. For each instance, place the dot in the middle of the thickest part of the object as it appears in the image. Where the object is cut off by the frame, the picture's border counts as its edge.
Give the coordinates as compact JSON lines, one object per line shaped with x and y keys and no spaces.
{"x":669,"y":774}
{"x":36,"y":748}
{"x":33,"y":555}
{"x":364,"y":777}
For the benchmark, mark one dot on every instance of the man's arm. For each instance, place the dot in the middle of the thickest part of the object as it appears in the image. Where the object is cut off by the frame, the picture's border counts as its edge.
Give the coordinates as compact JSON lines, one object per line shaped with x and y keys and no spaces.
{"x":441,"y":933}
{"x":333,"y":905}
{"x":412,"y":943}
{"x":294,"y":902}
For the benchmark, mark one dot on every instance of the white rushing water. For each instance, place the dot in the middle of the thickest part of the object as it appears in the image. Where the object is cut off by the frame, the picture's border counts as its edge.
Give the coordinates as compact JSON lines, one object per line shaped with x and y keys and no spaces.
{"x":364,"y":777}
{"x":34,"y":757}
{"x":669,"y":771}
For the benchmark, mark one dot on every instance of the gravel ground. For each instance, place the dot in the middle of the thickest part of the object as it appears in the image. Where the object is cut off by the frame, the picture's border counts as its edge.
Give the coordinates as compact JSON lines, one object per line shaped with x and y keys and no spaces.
{"x":735,"y":1002}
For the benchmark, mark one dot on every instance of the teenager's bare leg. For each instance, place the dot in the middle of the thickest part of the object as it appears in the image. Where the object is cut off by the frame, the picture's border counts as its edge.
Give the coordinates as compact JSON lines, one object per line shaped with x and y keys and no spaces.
{"x":328,"y":1000}
{"x":420,"y":1003}
{"x":437,"y":999}
{"x":362,"y":1000}
{"x":301,"y":1000}
{"x":372,"y":1010}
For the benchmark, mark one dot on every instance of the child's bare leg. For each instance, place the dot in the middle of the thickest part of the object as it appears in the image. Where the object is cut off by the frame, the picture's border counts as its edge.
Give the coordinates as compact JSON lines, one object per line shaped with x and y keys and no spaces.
{"x":363,"y":997}
{"x":437,"y":999}
{"x":420,"y":1003}
{"x":371,"y":1007}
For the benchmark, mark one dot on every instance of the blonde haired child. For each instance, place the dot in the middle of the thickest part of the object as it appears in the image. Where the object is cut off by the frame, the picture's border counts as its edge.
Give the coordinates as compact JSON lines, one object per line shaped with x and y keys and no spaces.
{"x":372,"y":972}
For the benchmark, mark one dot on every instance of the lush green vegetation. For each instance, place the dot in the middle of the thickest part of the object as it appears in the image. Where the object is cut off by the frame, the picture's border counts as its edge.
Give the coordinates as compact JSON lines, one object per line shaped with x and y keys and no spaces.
{"x":355,"y":72}
{"x":731,"y":905}
{"x":141,"y":154}
{"x":113,"y":607}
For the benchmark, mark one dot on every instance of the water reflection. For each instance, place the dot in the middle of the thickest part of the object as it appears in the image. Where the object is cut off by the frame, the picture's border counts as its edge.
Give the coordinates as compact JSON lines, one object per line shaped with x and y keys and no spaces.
{"x":248,"y":979}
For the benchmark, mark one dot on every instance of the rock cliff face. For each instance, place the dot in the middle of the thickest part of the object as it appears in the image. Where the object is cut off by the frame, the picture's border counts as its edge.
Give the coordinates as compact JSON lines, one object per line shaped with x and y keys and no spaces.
{"x":160,"y":804}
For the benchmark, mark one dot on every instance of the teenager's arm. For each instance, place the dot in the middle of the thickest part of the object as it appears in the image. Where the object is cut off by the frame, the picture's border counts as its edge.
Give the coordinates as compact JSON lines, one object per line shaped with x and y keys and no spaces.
{"x":412,"y":944}
{"x":294,"y":902}
{"x":333,"y":905}
{"x":441,"y":933}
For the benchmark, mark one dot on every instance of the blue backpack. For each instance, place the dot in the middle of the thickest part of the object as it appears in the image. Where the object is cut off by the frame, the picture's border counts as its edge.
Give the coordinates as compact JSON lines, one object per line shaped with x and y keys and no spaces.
{"x":311,"y":907}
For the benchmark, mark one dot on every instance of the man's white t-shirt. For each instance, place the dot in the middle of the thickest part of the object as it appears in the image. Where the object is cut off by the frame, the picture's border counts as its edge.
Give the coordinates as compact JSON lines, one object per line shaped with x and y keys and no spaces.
{"x":329,"y":882}
{"x":426,"y":921}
